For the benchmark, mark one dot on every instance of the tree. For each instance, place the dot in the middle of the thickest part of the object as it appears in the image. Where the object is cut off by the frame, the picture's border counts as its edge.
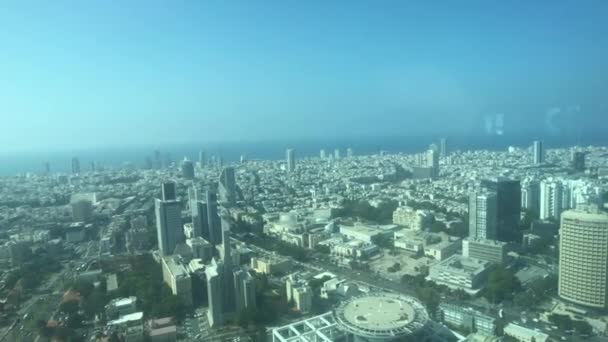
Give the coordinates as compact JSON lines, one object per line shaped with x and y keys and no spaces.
{"x":69,"y":307}
{"x":430,"y":298}
{"x":502,"y":284}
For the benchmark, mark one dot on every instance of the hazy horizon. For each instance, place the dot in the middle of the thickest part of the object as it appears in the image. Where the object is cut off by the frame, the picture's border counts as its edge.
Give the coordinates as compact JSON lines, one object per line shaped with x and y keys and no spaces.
{"x":98,"y":75}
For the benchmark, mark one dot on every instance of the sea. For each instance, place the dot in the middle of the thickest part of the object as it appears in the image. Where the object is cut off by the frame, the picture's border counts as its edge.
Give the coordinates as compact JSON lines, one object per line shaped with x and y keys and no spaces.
{"x":113,"y":157}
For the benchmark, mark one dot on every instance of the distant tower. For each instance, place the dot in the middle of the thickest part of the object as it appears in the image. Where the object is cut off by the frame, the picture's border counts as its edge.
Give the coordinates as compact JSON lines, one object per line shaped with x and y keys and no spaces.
{"x":349,"y":153}
{"x":202,"y":158}
{"x":47,"y":168}
{"x":168,"y":220}
{"x":443,"y":148}
{"x":213,"y":220}
{"x":157,"y":160}
{"x":227,"y":185}
{"x":188,"y":169}
{"x":291,"y":160}
{"x":228,"y":289}
{"x":482,"y":215}
{"x":322,"y":154}
{"x":337,"y":153}
{"x":538,"y":152}
{"x":432,"y":161}
{"x":75,"y":166}
{"x":578,"y":161}
{"x":508,"y":203}
{"x":583,"y":259}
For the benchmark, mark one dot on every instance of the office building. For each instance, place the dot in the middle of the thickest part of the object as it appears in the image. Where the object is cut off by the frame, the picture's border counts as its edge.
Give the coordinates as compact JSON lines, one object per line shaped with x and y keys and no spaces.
{"x":578,"y":161}
{"x":201,"y":248}
{"x":198,"y":210}
{"x":75,"y":166}
{"x":177,"y":277}
{"x":337,"y":153}
{"x":82,"y":210}
{"x":488,"y":250}
{"x":188,"y":169}
{"x":482,"y":215}
{"x":322,"y":154}
{"x":459,"y":317}
{"x":538,"y":153}
{"x":524,"y":334}
{"x":583,"y":257}
{"x":244,"y":287}
{"x":214,"y":229}
{"x":271,"y":264}
{"x":459,"y":272}
{"x":551,"y":196}
{"x":227,"y":186}
{"x":214,"y":274}
{"x":291,"y":160}
{"x":508,"y":206}
{"x":169,"y":226}
{"x":443,"y":148}
{"x":168,"y":191}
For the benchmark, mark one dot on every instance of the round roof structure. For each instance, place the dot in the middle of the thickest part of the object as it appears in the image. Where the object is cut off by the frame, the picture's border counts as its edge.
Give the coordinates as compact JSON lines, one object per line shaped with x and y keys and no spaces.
{"x":381,"y":315}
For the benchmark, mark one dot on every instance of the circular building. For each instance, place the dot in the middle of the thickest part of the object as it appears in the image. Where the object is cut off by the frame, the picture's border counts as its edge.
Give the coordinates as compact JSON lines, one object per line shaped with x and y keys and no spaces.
{"x":383,"y":316}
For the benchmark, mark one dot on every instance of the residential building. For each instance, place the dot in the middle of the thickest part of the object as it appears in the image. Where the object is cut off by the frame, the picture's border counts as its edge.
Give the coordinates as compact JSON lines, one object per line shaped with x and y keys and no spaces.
{"x":482,"y":215}
{"x":488,"y":250}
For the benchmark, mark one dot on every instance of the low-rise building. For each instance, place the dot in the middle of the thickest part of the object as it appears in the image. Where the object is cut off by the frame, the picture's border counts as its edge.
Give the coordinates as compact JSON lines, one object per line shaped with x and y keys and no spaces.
{"x":271,"y":264}
{"x":488,"y":250}
{"x":524,"y":334}
{"x":413,"y":219}
{"x":354,"y":249}
{"x":458,"y":316}
{"x":461,"y":272}
{"x":121,"y":307}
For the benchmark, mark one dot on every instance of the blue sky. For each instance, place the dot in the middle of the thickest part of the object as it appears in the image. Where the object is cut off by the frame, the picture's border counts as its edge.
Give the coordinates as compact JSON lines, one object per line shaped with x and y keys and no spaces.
{"x":110,"y":73}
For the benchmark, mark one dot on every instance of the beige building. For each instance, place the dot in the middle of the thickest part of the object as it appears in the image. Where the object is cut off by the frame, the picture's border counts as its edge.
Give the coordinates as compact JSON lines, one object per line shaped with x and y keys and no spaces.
{"x":270,"y":264}
{"x":176,"y":275}
{"x":583,"y":259}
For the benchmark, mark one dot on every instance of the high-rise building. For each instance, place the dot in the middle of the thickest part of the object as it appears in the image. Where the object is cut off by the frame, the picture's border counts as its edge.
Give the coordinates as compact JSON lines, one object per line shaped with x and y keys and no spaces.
{"x":482,"y":215}
{"x":214,"y":232}
{"x":349,"y":153}
{"x":82,"y":210}
{"x":168,"y":220}
{"x":202,"y":158}
{"x":578,"y":161}
{"x":337,"y":153}
{"x":322,"y":154}
{"x":443,"y":148}
{"x":530,"y":196}
{"x":227,"y":185}
{"x":158,"y":164}
{"x":538,"y":153}
{"x":198,"y":209}
{"x":47,"y":168}
{"x":551,"y":195}
{"x":508,"y":203}
{"x":583,"y":257}
{"x":177,"y":277}
{"x":168,"y":192}
{"x":291,"y":160}
{"x":75,"y":166}
{"x":432,"y":161}
{"x":229,"y":288}
{"x":188,"y":169}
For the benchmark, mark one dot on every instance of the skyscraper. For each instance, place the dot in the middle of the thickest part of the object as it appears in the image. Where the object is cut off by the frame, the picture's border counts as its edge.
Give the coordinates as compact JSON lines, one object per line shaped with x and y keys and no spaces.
{"x":583,"y":257}
{"x":168,"y":220}
{"x":291,"y":160}
{"x":443,"y":148}
{"x":75,"y":166}
{"x":198,"y":209}
{"x":508,"y":203}
{"x":227,"y":185}
{"x":349,"y":153}
{"x":337,"y":153}
{"x":47,"y":168}
{"x":214,"y":235}
{"x":214,"y":274}
{"x":578,"y":161}
{"x":482,"y":215}
{"x":432,"y":161}
{"x":530,"y":196}
{"x":322,"y":154}
{"x":538,"y":153}
{"x":551,"y":194}
{"x":188,"y":169}
{"x":168,"y":192}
